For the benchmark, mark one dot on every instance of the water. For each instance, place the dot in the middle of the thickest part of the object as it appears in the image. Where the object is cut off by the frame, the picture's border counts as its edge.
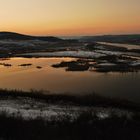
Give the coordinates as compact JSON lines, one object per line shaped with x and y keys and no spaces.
{"x":128,"y":46}
{"x":57,"y":80}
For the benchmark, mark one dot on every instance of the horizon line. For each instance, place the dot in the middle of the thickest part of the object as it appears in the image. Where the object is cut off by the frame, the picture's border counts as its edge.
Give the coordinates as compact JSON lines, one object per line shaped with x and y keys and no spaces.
{"x":107,"y":34}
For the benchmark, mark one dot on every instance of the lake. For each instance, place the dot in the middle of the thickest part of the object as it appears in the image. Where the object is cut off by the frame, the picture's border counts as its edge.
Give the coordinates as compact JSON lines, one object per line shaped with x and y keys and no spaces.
{"x":40,"y":75}
{"x":128,"y":46}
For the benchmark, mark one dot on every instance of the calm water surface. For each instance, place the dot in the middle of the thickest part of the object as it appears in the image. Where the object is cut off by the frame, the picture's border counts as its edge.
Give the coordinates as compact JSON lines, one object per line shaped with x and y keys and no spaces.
{"x":128,"y":46}
{"x":120,"y":85}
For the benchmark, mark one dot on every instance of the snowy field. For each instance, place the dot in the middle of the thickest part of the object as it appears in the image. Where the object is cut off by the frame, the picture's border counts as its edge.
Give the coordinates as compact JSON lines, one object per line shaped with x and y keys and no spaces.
{"x":32,"y":109}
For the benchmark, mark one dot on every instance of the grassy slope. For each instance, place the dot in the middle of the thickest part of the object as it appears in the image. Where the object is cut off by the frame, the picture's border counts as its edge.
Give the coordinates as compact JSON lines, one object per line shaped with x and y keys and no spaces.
{"x":86,"y":127}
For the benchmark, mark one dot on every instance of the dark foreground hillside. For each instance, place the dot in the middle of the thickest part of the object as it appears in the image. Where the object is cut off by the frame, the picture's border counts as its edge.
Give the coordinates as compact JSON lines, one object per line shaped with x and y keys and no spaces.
{"x":17,"y":36}
{"x":121,"y":124}
{"x":86,"y":127}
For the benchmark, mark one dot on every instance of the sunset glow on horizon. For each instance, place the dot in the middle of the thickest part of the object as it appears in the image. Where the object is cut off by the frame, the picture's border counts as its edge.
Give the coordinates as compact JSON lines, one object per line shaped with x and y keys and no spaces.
{"x":70,"y":17}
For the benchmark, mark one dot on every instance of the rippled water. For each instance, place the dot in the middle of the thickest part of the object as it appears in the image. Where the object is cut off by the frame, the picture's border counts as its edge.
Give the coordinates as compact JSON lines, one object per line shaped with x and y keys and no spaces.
{"x":42,"y":76}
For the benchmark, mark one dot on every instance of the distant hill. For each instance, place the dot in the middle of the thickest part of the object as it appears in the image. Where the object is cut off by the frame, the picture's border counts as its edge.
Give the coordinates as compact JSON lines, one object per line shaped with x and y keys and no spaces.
{"x":132,"y":39}
{"x":17,"y":36}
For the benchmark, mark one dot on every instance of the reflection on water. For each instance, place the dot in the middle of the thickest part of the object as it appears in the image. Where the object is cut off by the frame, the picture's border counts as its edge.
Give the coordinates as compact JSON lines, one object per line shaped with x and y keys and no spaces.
{"x":41,"y":75}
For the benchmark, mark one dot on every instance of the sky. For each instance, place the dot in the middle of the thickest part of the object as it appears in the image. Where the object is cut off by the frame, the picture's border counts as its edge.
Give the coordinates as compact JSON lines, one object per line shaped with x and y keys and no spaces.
{"x":70,"y":17}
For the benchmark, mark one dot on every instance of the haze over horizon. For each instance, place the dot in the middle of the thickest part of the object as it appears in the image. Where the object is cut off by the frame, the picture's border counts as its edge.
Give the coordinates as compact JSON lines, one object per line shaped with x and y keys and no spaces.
{"x":75,"y":17}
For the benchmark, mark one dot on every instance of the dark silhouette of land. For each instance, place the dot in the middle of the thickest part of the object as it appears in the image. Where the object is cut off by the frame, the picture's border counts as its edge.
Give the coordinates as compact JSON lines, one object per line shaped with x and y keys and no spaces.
{"x":17,"y":36}
{"x":88,"y":125}
{"x":128,"y":39}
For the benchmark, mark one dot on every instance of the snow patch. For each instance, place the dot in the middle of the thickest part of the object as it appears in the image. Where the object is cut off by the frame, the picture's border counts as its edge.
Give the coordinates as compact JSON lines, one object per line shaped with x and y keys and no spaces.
{"x":135,"y":63}
{"x":109,"y":52}
{"x":32,"y":109}
{"x":106,"y":64}
{"x":87,"y":54}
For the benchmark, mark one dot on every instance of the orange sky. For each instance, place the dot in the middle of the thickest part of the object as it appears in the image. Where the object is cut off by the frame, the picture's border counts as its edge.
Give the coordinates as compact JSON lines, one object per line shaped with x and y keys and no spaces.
{"x":70,"y":17}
